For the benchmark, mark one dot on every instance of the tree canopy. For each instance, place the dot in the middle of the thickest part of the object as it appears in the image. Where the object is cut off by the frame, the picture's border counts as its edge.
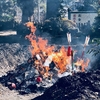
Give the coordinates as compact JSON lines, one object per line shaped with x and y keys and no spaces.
{"x":7,"y":10}
{"x":27,"y":7}
{"x":88,"y":5}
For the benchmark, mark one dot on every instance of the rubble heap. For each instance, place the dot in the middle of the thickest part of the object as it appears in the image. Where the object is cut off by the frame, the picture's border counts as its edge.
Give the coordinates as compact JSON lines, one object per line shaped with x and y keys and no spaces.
{"x":45,"y":66}
{"x":26,"y":79}
{"x":39,"y":73}
{"x":81,"y":86}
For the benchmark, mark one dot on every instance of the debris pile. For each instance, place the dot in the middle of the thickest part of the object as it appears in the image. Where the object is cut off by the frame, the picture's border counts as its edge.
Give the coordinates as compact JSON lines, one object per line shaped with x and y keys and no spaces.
{"x":25,"y":79}
{"x":46,"y":65}
{"x":45,"y":54}
{"x":81,"y":86}
{"x":40,"y":72}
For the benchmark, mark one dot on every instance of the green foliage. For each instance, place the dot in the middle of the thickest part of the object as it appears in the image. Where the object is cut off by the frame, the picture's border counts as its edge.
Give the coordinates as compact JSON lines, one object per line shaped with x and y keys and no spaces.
{"x":96,"y":46}
{"x":95,"y":31}
{"x":62,"y":10}
{"x":54,"y":26}
{"x":88,"y":5}
{"x":7,"y":11}
{"x":27,"y":7}
{"x":95,"y":34}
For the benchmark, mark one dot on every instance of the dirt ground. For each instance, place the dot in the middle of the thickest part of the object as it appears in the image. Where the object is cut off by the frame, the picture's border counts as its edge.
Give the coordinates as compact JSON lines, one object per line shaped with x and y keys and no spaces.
{"x":6,"y":94}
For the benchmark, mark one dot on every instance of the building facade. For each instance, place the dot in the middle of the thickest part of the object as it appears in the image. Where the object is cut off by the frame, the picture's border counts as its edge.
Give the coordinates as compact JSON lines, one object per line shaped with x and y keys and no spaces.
{"x":82,"y":18}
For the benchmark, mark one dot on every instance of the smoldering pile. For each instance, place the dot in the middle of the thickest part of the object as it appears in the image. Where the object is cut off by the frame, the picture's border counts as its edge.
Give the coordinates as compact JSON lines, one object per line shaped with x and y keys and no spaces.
{"x":81,"y":86}
{"x":45,"y":66}
{"x":40,"y":72}
{"x":26,"y":79}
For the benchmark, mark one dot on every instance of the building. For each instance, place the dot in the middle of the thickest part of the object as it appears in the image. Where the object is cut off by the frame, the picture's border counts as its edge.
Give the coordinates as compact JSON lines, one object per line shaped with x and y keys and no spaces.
{"x":82,"y":18}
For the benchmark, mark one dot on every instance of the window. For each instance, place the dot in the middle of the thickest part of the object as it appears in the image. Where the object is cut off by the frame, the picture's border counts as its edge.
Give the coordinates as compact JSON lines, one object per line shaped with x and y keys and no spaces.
{"x":79,"y":19}
{"x":79,"y":15}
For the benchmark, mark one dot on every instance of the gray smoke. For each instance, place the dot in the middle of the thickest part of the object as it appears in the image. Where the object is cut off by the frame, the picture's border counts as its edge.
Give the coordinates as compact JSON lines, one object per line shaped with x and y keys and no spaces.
{"x":77,"y":45}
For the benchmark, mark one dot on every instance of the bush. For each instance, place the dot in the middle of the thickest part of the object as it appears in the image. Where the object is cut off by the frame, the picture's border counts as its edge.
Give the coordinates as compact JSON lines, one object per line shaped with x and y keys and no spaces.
{"x":54,"y":26}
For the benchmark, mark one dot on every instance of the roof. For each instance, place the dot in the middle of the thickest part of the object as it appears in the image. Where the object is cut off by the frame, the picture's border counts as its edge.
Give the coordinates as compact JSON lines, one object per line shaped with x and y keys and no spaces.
{"x":83,"y":11}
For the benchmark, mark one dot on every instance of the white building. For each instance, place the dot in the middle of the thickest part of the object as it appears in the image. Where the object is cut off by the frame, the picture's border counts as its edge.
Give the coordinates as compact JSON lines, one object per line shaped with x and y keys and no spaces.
{"x":82,"y":18}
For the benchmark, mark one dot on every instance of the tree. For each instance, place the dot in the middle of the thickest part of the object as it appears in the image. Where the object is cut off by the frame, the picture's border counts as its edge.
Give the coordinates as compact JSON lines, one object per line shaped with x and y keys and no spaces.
{"x":95,"y":36}
{"x":52,"y":8}
{"x":56,"y":23}
{"x":88,"y":5}
{"x":62,"y":10}
{"x":95,"y":31}
{"x":7,"y":10}
{"x":27,"y":7}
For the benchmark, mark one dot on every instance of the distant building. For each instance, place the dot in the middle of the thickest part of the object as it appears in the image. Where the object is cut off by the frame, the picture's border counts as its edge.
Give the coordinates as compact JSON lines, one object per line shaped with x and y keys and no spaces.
{"x":82,"y":18}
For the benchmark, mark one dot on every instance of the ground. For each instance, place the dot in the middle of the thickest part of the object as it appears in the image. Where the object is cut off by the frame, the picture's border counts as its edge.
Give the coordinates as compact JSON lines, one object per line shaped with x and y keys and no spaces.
{"x":6,"y":94}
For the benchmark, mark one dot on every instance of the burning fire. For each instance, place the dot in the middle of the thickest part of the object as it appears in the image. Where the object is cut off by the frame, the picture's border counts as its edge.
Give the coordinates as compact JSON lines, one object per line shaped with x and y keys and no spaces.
{"x":82,"y":63}
{"x":43,"y":54}
{"x":31,"y":26}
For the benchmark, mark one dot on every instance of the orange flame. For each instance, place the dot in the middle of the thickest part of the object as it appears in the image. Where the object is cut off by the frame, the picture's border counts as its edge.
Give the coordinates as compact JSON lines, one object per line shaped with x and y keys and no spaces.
{"x":31,"y":26}
{"x":60,"y":58}
{"x":82,"y":63}
{"x":85,"y":65}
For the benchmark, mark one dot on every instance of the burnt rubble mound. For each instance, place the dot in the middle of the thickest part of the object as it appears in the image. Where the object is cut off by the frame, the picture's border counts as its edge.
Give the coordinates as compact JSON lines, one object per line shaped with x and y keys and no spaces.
{"x":26,"y":79}
{"x":81,"y":86}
